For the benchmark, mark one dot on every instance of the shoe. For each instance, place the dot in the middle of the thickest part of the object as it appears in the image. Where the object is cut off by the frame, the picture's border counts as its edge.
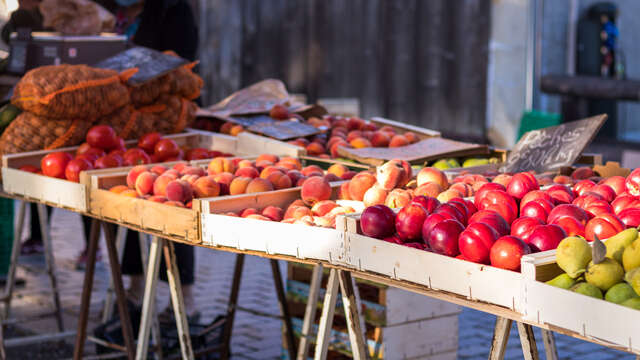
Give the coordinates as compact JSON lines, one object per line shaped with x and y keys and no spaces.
{"x":81,"y":260}
{"x":32,"y":247}
{"x":167,"y":316}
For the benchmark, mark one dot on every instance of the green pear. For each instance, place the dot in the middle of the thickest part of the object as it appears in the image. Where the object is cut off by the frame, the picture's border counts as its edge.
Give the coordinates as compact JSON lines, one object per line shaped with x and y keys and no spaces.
{"x":617,"y":243}
{"x":587,"y":289}
{"x":604,"y":274}
{"x":631,"y":256}
{"x":633,"y":278}
{"x":573,"y":255}
{"x":563,"y":281}
{"x":633,"y":303}
{"x":453,"y":163}
{"x":441,"y":164}
{"x":475,"y":162}
{"x":619,"y":293}
{"x":494,"y":160}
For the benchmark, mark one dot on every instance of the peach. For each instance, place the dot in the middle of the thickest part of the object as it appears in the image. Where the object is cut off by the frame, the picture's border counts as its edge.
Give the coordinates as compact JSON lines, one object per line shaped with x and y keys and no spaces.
{"x":118,"y":189}
{"x":179,"y":166}
{"x":158,"y":169}
{"x":259,"y":185}
{"x":189,"y":205}
{"x":340,"y":210}
{"x":130,"y":193}
{"x":158,"y":199}
{"x":258,"y":217}
{"x":133,"y":175}
{"x":388,"y":129}
{"x":224,"y":178}
{"x":430,"y":189}
{"x":321,"y":208}
{"x":221,"y":164}
{"x":360,"y":184}
{"x":249,"y":172}
{"x":226,"y":127}
{"x":355,"y":123}
{"x":354,"y":135}
{"x":360,"y":143}
{"x":447,"y":195}
{"x":369,"y":126}
{"x":262,"y":164}
{"x":343,"y":192}
{"x":582,"y":173}
{"x":502,"y":179}
{"x":245,"y":163}
{"x":376,"y":195}
{"x":179,"y":191}
{"x":562,"y":179}
{"x":335,"y":139}
{"x":398,"y":141}
{"x":239,"y":185}
{"x":297,"y":212}
{"x":273,"y":212}
{"x":174,"y":203}
{"x":398,"y":198}
{"x":295,"y":204}
{"x":174,"y":174}
{"x":380,"y":139}
{"x":236,"y":129}
{"x":331,"y":178}
{"x":288,"y":221}
{"x":430,"y":174}
{"x":249,"y":211}
{"x":192,"y":170}
{"x":348,"y":175}
{"x":301,"y":181}
{"x":367,"y":134}
{"x":315,"y":148}
{"x":144,"y":182}
{"x":325,"y":221}
{"x":290,"y":163}
{"x":270,"y":170}
{"x":160,"y":185}
{"x":307,"y":220}
{"x":294,"y":175}
{"x":231,"y":213}
{"x":411,"y":137}
{"x":206,"y":187}
{"x":280,"y":180}
{"x":337,"y":169}
{"x":268,"y":157}
{"x":190,"y":179}
{"x":390,"y":175}
{"x":465,"y":189}
{"x":307,"y":170}
{"x":315,"y":189}
{"x":333,"y":149}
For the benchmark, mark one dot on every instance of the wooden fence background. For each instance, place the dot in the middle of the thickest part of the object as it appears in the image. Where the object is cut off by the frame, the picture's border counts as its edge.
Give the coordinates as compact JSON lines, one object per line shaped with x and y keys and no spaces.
{"x":422,"y":62}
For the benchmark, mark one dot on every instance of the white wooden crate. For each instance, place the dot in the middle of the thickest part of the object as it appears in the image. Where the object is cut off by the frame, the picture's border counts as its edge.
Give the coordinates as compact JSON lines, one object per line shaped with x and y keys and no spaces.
{"x":611,"y":324}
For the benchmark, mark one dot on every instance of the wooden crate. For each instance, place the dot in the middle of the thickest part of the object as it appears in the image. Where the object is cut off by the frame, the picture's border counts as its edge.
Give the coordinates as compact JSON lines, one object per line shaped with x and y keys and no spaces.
{"x":398,"y":323}
{"x":304,"y":242}
{"x":474,"y":281}
{"x":71,"y":195}
{"x":562,"y":310}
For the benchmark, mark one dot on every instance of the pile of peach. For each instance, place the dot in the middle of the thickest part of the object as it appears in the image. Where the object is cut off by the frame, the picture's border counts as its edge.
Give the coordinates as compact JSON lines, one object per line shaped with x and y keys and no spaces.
{"x":352,"y":132}
{"x":313,"y":209}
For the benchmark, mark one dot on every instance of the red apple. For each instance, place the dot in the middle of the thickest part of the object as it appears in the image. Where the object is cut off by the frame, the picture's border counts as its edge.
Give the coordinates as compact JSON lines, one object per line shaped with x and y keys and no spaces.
{"x":74,"y":167}
{"x":136,"y":156}
{"x":598,"y":207}
{"x":480,"y":194}
{"x":523,"y":227}
{"x":55,"y":163}
{"x":632,"y":183}
{"x":507,"y":251}
{"x":625,"y":201}
{"x":539,"y":209}
{"x":475,"y":242}
{"x":103,"y":137}
{"x":148,"y":141}
{"x":493,"y":219}
{"x":604,"y":226}
{"x":570,"y":225}
{"x":431,"y":221}
{"x":443,"y":238}
{"x":533,"y":195}
{"x":567,"y":210}
{"x":108,"y":161}
{"x":456,"y":210}
{"x":378,"y":221}
{"x":409,"y":222}
{"x":583,"y":186}
{"x":560,"y":194}
{"x":616,"y":183}
{"x":546,"y":237}
{"x":521,"y":184}
{"x":427,"y":202}
{"x":630,"y":217}
{"x":605,"y":191}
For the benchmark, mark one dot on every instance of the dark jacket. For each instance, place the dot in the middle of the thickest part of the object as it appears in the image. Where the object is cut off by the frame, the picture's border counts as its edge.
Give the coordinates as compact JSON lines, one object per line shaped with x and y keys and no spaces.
{"x":22,"y":19}
{"x":168,"y":25}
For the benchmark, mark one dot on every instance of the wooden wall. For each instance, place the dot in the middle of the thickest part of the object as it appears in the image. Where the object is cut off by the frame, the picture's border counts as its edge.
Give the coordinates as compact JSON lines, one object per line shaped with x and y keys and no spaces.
{"x":422,"y":62}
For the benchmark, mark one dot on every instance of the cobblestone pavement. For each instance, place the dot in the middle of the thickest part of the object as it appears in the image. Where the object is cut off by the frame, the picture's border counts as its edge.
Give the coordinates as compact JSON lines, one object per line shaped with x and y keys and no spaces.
{"x":253,"y":337}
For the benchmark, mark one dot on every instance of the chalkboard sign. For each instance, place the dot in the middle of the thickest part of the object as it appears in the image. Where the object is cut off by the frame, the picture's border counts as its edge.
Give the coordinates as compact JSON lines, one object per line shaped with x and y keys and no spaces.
{"x":553,"y":147}
{"x":248,"y":121}
{"x":284,"y":130}
{"x":424,"y":150}
{"x":150,"y":63}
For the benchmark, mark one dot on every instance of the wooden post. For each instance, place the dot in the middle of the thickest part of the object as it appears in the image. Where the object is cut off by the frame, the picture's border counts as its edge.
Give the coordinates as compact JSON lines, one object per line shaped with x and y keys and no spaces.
{"x":149,"y":300}
{"x":177,"y":301}
{"x":231,"y":307}
{"x":550,"y":349}
{"x":107,"y":312}
{"x":121,"y":299}
{"x":87,"y":287}
{"x":50,"y":262}
{"x":310,"y":312}
{"x":284,"y":309}
{"x":528,"y":341}
{"x":500,"y":338}
{"x":326,"y":320}
{"x":352,"y":314}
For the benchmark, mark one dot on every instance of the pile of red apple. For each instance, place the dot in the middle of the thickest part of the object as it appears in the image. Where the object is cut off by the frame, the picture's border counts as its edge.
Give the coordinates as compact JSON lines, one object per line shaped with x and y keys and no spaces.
{"x":503,"y":223}
{"x":104,"y":149}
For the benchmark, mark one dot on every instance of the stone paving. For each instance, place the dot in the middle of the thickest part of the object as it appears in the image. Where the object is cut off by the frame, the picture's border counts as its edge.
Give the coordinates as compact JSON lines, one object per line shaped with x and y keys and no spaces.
{"x":253,"y":337}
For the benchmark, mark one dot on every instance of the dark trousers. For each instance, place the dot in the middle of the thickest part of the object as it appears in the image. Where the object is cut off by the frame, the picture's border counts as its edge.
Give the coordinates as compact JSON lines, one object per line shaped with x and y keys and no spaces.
{"x":36,"y":234}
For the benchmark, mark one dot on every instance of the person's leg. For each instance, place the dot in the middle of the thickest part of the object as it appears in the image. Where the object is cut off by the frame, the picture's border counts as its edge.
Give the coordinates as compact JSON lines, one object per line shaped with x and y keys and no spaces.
{"x":185,"y":259}
{"x":34,"y":245}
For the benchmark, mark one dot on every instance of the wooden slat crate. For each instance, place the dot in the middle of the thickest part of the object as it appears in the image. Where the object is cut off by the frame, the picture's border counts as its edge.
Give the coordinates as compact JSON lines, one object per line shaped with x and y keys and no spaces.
{"x":565,"y":311}
{"x":399,"y":324}
{"x":73,"y":196}
{"x":304,"y":242}
{"x":473,"y":281}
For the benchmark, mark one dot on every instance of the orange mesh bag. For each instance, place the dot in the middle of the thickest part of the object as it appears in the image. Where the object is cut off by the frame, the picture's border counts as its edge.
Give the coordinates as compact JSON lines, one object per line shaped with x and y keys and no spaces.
{"x":148,"y":93}
{"x":179,"y":114}
{"x":29,"y":132}
{"x":184,"y":82}
{"x":71,"y":91}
